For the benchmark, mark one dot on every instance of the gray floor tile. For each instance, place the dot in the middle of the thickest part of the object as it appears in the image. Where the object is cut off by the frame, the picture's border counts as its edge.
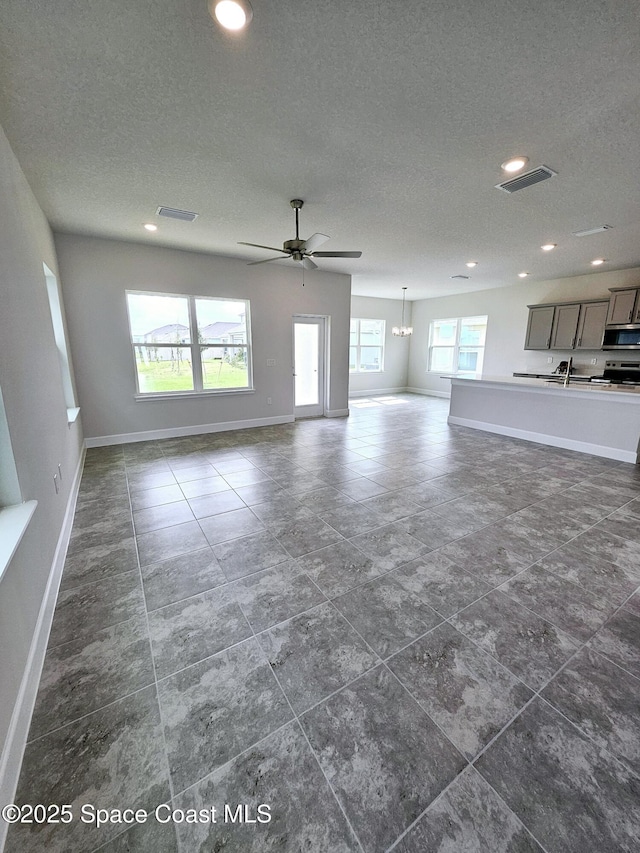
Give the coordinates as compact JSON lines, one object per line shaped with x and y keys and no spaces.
{"x":386,"y":615}
{"x":468,"y":818}
{"x":81,"y":676}
{"x":487,"y":554}
{"x":315,"y":654}
{"x":205,"y":486}
{"x":303,"y":535}
{"x":604,"y":544}
{"x":340,"y":567}
{"x":140,"y":838}
{"x":170,"y":542}
{"x":561,"y":602}
{"x":432,"y":529}
{"x":353,"y":519}
{"x":603,"y":701}
{"x":192,"y":473}
{"x":112,"y":758}
{"x":530,"y":647}
{"x":383,"y":756}
{"x":142,"y":480}
{"x":567,"y":791}
{"x":257,"y":493}
{"x":392,"y":506}
{"x":214,"y":504}
{"x":606,"y":581}
{"x":619,"y":640}
{"x":284,"y":776}
{"x":156,"y":497}
{"x":463,"y":689}
{"x":195,"y":628}
{"x":181,"y":577}
{"x":440,"y":583}
{"x":83,"y":610}
{"x":276,"y":595}
{"x":362,"y":489}
{"x":633,"y":604}
{"x":217,"y":708}
{"x":230,"y":525}
{"x":99,"y":562}
{"x":157,"y":517}
{"x":249,"y":554}
{"x":390,"y":546}
{"x":324,"y":500}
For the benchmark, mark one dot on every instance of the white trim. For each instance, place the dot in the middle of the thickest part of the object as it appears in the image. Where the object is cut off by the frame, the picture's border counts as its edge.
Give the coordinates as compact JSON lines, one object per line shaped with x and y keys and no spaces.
{"x":14,"y":521}
{"x":336,"y":413}
{"x":550,"y":440}
{"x":179,"y":432}
{"x":376,"y":391}
{"x":72,"y":415}
{"x":172,"y":395}
{"x":13,"y":751}
{"x":429,"y":392}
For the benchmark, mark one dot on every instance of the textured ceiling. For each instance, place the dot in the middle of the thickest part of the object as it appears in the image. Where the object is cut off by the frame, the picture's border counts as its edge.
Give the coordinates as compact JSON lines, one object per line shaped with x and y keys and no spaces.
{"x":389,"y":119}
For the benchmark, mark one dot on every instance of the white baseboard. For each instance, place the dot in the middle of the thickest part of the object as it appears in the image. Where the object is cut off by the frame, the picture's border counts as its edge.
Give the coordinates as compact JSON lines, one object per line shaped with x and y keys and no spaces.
{"x":336,"y":413}
{"x":179,"y":432}
{"x":376,"y":392}
{"x":13,"y":752}
{"x":551,"y":440}
{"x":428,"y":392}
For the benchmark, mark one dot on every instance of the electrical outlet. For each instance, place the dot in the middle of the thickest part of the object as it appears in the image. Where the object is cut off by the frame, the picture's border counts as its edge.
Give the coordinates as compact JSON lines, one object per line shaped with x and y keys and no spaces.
{"x":269,"y":401}
{"x":550,"y":360}
{"x":594,"y":361}
{"x":271,"y":362}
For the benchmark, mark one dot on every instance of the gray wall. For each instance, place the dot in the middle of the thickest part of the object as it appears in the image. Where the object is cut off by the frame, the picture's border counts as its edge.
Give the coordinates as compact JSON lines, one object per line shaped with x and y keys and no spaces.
{"x":32,"y":388}
{"x":96,"y":273}
{"x":506,"y":308}
{"x":396,"y":350}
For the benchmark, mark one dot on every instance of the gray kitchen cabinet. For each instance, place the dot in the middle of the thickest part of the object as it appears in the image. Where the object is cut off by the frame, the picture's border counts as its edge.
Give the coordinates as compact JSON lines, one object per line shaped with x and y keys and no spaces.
{"x":565,"y":326}
{"x":593,"y":318}
{"x":539,"y":326}
{"x":621,"y":307}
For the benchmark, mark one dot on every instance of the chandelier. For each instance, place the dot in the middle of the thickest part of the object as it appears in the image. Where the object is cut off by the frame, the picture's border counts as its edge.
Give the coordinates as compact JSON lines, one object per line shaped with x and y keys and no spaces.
{"x":402,"y":331}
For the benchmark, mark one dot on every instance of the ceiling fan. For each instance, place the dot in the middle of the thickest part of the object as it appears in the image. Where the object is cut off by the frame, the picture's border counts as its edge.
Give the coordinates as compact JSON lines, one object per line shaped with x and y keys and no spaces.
{"x":301,"y":250}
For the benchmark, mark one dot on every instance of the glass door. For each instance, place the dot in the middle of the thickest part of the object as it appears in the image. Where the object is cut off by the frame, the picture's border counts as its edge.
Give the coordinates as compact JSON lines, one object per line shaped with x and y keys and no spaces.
{"x":308,"y":366}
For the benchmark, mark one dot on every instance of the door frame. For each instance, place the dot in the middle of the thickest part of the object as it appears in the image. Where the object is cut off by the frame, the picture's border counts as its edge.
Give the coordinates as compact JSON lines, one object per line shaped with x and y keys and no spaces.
{"x":323,"y":340}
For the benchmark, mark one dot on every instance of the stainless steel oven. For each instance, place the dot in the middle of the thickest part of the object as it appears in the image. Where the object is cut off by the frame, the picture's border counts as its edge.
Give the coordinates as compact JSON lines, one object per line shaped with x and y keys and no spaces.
{"x":625,"y":372}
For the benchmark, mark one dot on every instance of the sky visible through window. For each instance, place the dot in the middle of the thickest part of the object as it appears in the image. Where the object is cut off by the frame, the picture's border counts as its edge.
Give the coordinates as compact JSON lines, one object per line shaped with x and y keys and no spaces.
{"x":151,"y":312}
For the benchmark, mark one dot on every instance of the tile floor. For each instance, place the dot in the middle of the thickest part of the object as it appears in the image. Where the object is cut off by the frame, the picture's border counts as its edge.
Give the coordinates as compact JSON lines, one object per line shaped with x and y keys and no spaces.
{"x":395,"y":634}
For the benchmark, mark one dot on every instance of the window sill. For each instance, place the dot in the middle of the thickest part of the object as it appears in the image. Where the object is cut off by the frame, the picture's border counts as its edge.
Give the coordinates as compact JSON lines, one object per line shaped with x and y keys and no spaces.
{"x":72,"y":415}
{"x":14,"y":521}
{"x":181,"y":395}
{"x":365,"y":372}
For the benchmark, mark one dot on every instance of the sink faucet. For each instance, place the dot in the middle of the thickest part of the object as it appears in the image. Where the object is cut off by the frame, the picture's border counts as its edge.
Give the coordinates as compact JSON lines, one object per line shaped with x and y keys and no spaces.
{"x":567,"y":375}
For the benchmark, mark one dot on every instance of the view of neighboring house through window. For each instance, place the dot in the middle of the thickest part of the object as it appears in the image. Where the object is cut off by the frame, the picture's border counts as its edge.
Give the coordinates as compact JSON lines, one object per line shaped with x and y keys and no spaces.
{"x":187,"y":344}
{"x":457,"y":345}
{"x":366,"y":346}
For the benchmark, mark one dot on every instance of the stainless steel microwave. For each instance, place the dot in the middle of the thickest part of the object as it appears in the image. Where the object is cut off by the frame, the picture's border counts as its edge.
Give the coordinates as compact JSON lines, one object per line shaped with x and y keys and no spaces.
{"x":628,"y":338}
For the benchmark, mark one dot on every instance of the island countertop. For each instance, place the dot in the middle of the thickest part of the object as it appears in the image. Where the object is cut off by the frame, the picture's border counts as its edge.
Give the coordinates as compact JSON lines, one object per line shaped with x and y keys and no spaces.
{"x":603,"y":420}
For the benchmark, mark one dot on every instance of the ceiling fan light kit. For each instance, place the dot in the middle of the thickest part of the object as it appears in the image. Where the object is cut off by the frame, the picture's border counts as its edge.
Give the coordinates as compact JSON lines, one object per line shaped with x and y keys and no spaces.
{"x":402,"y":331}
{"x":301,"y":251}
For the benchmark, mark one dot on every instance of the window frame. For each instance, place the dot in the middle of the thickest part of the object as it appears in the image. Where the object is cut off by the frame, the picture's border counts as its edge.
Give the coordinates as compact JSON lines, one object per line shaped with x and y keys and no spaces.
{"x":358,"y":346}
{"x":195,"y":347}
{"x":457,"y":346}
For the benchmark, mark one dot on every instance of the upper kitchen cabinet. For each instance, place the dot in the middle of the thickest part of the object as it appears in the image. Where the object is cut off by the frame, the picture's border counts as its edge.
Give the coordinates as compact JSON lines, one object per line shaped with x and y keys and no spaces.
{"x":565,"y":326}
{"x":622,"y":307}
{"x":568,"y":325}
{"x":593,"y":318}
{"x":539,"y":326}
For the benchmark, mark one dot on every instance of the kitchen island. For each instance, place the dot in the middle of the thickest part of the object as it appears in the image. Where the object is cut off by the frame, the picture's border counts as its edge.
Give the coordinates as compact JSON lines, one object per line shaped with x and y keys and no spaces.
{"x":590,"y":418}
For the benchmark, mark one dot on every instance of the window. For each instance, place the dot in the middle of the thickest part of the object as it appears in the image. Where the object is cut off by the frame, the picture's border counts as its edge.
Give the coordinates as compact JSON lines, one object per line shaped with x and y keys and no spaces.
{"x":366,"y":346}
{"x":61,"y":342}
{"x":189,"y":344}
{"x":457,"y":345}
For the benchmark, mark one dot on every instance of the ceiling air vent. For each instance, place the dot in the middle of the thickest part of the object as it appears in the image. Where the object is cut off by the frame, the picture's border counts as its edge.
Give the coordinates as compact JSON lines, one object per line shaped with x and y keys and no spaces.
{"x":465,"y":277}
{"x":172,"y":213}
{"x":527,"y":179}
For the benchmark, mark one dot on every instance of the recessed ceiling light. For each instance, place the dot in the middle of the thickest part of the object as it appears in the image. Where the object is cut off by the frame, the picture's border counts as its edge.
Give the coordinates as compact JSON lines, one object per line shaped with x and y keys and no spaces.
{"x":472,"y":264}
{"x":514,"y":164}
{"x":548,"y":247}
{"x":523,"y":274}
{"x":597,"y":262}
{"x":150,"y":226}
{"x":231,"y":14}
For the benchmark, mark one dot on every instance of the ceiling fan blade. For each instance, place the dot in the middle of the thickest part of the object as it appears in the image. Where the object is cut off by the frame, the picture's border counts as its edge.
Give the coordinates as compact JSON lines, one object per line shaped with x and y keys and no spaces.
{"x":314,"y":242}
{"x":266,"y":261}
{"x":258,"y":246}
{"x":308,"y":264}
{"x":337,"y":254}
